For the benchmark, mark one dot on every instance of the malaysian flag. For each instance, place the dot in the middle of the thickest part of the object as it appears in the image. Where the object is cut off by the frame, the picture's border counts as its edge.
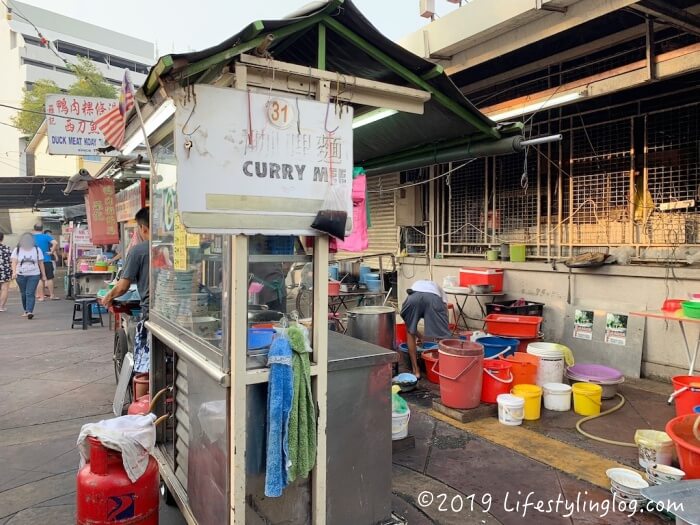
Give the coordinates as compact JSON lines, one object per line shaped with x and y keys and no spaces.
{"x":113,"y":123}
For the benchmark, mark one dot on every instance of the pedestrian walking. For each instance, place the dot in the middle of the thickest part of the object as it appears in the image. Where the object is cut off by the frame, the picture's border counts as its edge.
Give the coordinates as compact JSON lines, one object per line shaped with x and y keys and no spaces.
{"x":5,"y":272}
{"x":28,"y":268}
{"x":47,"y":245}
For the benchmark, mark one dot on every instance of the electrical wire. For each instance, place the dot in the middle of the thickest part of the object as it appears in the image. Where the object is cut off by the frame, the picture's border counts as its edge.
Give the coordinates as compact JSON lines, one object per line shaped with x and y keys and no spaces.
{"x":404,"y":186}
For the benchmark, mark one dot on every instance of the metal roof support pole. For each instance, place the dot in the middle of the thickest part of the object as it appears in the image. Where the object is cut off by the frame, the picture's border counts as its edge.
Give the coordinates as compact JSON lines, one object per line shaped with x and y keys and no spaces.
{"x":410,"y":76}
{"x":321,"y":60}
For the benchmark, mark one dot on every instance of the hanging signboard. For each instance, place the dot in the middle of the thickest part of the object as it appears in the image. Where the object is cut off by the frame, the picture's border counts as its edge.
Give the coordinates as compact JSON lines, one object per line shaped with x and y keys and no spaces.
{"x":129,"y":201}
{"x":256,"y":163}
{"x":100,"y":203}
{"x":71,"y":128}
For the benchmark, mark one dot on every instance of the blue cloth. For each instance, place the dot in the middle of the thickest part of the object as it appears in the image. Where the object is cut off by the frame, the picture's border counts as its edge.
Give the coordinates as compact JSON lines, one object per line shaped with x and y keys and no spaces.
{"x":27,"y":289}
{"x":142,"y":350}
{"x":279,"y":405}
{"x":43,"y":242}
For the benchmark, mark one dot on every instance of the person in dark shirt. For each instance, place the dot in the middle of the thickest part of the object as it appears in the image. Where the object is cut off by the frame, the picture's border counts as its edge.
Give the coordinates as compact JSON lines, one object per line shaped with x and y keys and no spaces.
{"x":136,"y":270}
{"x":137,"y":266}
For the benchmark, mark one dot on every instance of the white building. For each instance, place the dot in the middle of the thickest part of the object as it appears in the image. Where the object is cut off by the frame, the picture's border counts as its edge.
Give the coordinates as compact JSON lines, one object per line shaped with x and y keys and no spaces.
{"x":24,"y":60}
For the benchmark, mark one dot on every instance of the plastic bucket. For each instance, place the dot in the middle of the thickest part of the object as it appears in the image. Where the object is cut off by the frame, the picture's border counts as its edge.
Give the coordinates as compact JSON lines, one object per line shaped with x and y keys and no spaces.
{"x":461,"y":370}
{"x":587,"y":398}
{"x":687,"y":445}
{"x":510,"y":409}
{"x":431,"y":358}
{"x":498,"y":379}
{"x":518,"y":253}
{"x":689,"y":397}
{"x":497,"y":346}
{"x":655,"y":447}
{"x":532,"y":394}
{"x":524,"y":368}
{"x":551,"y":367}
{"x":399,"y":425}
{"x":524,"y":343}
{"x":401,"y":335}
{"x":557,"y":397}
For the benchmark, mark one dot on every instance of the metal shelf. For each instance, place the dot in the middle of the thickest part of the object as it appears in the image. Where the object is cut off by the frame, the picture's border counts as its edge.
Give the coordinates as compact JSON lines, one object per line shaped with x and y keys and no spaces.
{"x":279,"y":258}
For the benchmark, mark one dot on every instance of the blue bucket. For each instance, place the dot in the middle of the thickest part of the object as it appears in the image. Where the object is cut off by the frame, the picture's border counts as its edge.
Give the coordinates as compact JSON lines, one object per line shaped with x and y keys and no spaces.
{"x":403,"y":348}
{"x":373,"y":286}
{"x":334,"y":273}
{"x":364,"y":270}
{"x":260,"y":338}
{"x":495,"y":345}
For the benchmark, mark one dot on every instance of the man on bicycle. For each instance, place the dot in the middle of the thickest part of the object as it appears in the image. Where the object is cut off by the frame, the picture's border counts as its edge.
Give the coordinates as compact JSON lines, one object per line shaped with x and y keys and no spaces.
{"x":136,"y":270}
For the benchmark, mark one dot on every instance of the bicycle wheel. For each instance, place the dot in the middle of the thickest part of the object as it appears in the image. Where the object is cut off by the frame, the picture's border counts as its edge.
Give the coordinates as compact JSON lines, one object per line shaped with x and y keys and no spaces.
{"x":121,"y":347}
{"x":305,"y":302}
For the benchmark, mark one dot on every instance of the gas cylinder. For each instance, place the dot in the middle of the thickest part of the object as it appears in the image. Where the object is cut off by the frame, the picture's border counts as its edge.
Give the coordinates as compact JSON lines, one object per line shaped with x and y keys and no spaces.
{"x":140,"y":406}
{"x":140,"y":385}
{"x":105,"y":494}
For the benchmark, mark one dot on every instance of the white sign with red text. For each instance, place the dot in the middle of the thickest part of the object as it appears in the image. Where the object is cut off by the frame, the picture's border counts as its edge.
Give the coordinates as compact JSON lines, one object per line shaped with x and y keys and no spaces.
{"x":71,"y":124}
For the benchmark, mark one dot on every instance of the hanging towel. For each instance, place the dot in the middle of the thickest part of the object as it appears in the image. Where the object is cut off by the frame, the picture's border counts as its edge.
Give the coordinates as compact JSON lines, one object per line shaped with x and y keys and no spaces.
{"x":279,"y":403}
{"x":302,"y":420}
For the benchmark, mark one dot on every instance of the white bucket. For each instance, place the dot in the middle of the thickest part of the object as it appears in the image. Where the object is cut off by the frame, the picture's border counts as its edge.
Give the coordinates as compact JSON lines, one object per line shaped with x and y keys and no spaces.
{"x":399,"y":425}
{"x":552,"y":365}
{"x":557,"y":397}
{"x":511,"y":409}
{"x":655,"y":448}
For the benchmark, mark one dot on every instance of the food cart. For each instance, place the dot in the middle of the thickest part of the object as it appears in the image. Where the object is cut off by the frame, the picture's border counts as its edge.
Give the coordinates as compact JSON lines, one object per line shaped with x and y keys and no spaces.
{"x":247,"y":140}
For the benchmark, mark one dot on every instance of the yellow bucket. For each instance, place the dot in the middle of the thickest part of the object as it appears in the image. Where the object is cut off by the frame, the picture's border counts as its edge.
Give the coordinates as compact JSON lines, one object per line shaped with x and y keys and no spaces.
{"x":532,"y":394}
{"x":587,"y":398}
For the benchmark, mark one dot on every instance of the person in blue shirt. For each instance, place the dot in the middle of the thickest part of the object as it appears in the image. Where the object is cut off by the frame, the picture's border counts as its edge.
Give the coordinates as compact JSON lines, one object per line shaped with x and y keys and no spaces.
{"x":47,"y":244}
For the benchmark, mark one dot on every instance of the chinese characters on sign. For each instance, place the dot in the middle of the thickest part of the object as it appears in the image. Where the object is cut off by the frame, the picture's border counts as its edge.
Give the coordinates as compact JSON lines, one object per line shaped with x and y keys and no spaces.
{"x":71,"y":124}
{"x":129,"y":201}
{"x":101,"y":205}
{"x":180,"y":245}
{"x":265,"y":165}
{"x":616,"y":329}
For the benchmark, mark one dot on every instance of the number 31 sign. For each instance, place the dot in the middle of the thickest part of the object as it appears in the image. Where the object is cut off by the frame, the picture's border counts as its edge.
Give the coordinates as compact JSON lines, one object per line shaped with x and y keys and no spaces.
{"x":280,"y":113}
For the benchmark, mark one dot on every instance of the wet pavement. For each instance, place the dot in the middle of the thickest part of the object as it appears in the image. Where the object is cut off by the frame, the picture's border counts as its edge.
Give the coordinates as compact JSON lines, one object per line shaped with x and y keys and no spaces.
{"x":54,"y":379}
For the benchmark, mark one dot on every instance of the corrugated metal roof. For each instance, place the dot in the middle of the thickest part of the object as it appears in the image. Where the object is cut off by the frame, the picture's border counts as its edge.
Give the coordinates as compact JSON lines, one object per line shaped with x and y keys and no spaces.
{"x":352,"y":47}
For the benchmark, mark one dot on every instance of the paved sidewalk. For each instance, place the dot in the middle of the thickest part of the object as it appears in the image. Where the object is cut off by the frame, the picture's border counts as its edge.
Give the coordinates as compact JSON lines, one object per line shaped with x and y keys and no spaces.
{"x":52,"y":381}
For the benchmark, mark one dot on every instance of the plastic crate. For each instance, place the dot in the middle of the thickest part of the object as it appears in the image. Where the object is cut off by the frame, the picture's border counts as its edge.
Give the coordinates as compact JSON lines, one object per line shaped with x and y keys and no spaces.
{"x":519,"y":326}
{"x":509,"y":307}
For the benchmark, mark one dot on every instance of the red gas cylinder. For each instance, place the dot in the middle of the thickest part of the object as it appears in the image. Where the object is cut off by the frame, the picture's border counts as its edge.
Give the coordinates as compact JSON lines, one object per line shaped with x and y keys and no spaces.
{"x":105,"y":494}
{"x":140,"y":406}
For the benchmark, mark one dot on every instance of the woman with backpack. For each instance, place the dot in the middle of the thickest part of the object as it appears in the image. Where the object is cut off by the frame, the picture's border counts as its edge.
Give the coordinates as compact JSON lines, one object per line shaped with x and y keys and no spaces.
{"x":28,"y":269}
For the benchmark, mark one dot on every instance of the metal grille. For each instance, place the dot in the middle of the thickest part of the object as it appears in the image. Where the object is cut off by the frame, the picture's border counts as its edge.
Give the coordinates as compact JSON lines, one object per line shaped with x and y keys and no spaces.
{"x":466,"y":221}
{"x":516,"y":197}
{"x":601,"y":163}
{"x":414,"y":240}
{"x":600,"y":192}
{"x":673,"y":160}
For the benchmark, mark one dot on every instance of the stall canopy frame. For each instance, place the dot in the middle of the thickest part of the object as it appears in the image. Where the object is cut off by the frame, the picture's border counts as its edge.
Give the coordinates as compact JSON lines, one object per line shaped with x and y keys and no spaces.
{"x":336,"y":37}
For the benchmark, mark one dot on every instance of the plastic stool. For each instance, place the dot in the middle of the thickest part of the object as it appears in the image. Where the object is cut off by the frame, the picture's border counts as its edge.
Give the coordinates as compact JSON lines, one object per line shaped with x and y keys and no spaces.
{"x":86,"y":319}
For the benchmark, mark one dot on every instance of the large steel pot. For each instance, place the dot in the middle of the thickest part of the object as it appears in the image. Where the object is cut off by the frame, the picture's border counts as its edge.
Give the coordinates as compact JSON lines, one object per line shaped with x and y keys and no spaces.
{"x":374,"y":324}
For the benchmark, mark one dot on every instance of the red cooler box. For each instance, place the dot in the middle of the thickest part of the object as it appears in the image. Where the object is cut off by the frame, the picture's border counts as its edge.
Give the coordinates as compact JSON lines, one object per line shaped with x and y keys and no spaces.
{"x":481,"y":276}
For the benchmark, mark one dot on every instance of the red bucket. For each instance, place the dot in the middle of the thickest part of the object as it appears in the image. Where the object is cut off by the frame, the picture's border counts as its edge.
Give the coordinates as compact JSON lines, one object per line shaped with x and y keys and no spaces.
{"x":460,"y":373}
{"x":524,"y":367}
{"x":688,"y":397}
{"x":432,"y":365}
{"x":498,"y":379}
{"x":687,"y":445}
{"x":401,"y":336}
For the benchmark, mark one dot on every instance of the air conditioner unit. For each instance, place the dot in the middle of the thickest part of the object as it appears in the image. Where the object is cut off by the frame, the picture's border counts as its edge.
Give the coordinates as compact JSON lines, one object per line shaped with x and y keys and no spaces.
{"x":427,"y":8}
{"x":408,"y":206}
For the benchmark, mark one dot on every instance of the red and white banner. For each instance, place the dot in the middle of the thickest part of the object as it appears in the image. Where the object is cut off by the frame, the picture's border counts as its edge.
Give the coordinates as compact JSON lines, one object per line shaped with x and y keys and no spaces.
{"x":101,"y":206}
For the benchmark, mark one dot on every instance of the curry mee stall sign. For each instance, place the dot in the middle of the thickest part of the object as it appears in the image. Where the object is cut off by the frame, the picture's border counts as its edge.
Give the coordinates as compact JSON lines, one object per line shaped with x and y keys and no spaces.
{"x":71,"y":124}
{"x":260,"y":162}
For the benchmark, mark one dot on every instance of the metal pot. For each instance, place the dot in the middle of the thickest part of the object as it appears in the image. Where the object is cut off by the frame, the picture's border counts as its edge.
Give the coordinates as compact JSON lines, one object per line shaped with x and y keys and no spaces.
{"x":374,"y":324}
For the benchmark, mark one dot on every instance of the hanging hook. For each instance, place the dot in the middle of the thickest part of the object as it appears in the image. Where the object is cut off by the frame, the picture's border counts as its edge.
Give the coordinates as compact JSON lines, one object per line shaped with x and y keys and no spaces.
{"x":325,"y":122}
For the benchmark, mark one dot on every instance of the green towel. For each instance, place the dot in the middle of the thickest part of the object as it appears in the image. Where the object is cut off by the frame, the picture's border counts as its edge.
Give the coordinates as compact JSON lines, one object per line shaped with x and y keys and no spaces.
{"x":302,"y":418}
